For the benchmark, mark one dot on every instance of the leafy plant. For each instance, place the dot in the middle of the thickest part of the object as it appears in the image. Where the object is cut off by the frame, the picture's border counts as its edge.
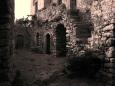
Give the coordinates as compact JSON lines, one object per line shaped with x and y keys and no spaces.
{"x":84,"y":65}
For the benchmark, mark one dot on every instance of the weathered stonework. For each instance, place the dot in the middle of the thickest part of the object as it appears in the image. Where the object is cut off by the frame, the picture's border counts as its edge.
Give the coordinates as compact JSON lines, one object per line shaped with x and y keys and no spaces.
{"x":74,"y":23}
{"x":103,"y":35}
{"x":93,"y":20}
{"x":6,"y":35}
{"x":23,"y":35}
{"x":90,"y":26}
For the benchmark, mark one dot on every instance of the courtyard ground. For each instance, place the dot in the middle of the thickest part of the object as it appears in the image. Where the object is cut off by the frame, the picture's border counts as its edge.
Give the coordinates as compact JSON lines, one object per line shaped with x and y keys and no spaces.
{"x":42,"y":70}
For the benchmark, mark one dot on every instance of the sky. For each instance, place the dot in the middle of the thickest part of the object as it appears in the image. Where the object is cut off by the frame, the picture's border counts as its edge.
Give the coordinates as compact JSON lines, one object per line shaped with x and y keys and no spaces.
{"x":22,"y":8}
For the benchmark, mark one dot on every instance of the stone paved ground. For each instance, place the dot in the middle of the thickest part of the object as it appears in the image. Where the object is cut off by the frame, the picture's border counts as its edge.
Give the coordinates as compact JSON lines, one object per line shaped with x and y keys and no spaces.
{"x":43,"y":70}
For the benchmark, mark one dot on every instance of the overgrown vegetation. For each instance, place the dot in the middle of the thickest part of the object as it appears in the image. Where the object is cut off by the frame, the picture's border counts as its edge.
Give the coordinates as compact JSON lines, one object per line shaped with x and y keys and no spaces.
{"x":85,"y":65}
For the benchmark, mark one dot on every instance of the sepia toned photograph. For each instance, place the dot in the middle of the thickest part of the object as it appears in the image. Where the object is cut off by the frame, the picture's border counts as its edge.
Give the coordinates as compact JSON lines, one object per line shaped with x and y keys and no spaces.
{"x":57,"y":42}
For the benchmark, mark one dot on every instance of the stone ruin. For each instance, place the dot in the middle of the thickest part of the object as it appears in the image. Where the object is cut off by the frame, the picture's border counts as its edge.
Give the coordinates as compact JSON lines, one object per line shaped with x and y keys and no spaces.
{"x":69,"y":32}
{"x":91,"y":26}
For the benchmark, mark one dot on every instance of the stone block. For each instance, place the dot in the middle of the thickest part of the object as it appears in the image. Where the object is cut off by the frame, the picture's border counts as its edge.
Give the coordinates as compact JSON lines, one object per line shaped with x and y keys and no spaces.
{"x":112,"y":60}
{"x":108,"y":28}
{"x":107,"y":34}
{"x":107,"y":60}
{"x":110,"y":52}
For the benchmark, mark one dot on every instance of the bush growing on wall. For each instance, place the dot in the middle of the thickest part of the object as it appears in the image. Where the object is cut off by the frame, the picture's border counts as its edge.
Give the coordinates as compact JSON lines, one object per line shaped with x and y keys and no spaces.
{"x":85,"y":65}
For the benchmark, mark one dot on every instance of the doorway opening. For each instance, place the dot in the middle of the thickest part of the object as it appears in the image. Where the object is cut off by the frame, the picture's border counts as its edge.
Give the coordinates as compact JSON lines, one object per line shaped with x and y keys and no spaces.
{"x":60,"y":40}
{"x":48,"y":51}
{"x":19,"y":42}
{"x":72,"y":5}
{"x":38,"y":39}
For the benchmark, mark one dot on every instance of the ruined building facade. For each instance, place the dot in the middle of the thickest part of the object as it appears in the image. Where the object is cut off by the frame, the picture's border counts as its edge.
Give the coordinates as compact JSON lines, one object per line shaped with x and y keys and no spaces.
{"x":63,"y":27}
{"x":63,"y":15}
{"x":58,"y":25}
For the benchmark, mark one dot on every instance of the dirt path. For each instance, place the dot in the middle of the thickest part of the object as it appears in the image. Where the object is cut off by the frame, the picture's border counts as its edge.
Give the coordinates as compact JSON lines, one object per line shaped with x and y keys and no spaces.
{"x":43,"y":70}
{"x":36,"y":66}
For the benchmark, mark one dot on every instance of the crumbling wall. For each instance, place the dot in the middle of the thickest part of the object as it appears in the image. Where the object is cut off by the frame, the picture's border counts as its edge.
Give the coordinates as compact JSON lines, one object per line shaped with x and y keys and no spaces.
{"x":103,"y":15}
{"x":50,"y":18}
{"x":23,"y":31}
{"x":102,"y":18}
{"x":97,"y":15}
{"x":54,"y":15}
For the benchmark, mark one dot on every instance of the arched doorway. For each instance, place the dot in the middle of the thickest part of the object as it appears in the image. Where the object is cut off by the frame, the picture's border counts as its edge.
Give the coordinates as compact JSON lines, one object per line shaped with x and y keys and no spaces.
{"x":19,"y":42}
{"x":48,"y":44}
{"x":60,"y":40}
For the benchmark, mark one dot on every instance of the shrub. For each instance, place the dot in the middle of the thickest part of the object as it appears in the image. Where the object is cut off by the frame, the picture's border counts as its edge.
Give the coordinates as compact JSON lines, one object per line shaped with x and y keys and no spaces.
{"x":84,"y":65}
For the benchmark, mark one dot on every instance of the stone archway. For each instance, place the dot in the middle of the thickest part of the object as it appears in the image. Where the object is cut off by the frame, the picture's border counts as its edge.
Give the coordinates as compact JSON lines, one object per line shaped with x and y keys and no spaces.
{"x":60,"y":40}
{"x":19,"y":42}
{"x":48,"y":51}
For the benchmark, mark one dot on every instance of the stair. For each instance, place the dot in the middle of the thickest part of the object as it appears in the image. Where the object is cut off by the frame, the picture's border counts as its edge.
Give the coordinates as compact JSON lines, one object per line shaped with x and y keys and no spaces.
{"x":83,"y":31}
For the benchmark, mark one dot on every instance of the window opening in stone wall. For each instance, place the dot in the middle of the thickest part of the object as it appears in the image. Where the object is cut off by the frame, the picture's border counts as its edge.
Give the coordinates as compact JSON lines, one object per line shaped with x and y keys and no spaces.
{"x":48,"y":51}
{"x":60,"y":40}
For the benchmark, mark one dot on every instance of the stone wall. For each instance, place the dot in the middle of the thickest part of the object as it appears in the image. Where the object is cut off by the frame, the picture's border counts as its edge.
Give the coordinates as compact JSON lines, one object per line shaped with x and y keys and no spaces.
{"x":103,"y":38}
{"x":75,"y":25}
{"x":25,"y":32}
{"x":102,"y":18}
{"x":41,"y":5}
{"x":49,"y":14}
{"x":6,"y":29}
{"x":92,"y":20}
{"x":66,"y":2}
